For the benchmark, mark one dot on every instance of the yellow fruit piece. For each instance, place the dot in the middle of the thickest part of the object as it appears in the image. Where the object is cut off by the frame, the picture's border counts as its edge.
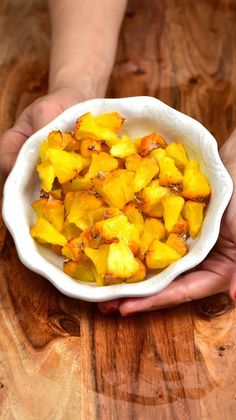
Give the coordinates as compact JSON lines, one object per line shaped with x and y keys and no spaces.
{"x":46,"y":232}
{"x":81,"y":207}
{"x":87,"y":126}
{"x":121,"y":262}
{"x":43,"y":149}
{"x":116,"y":188}
{"x":160,"y":255}
{"x":132,"y":162}
{"x":134,"y":216}
{"x":59,"y":140}
{"x":99,"y":258}
{"x":158,"y":155}
{"x":70,"y":231}
{"x":193,"y":213}
{"x":150,"y":142}
{"x":151,"y":198}
{"x":195,"y":184}
{"x":181,"y":227}
{"x":69,"y":197}
{"x":77,"y":184}
{"x":90,"y":146}
{"x":101,"y":163}
{"x":172,"y":207}
{"x":56,"y":193}
{"x":73,"y":250}
{"x":123,"y":148}
{"x":177,"y":243}
{"x":169,"y":174}
{"x":118,"y":227}
{"x":83,"y":270}
{"x":139,"y":275}
{"x":51,"y":210}
{"x":177,"y":152}
{"x":111,"y":120}
{"x":66,"y":165}
{"x":153,"y":229}
{"x":46,"y":175}
{"x":147,"y":169}
{"x":57,"y":250}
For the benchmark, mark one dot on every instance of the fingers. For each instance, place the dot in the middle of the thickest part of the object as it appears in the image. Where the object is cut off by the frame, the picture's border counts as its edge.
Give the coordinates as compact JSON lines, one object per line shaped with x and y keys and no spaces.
{"x":233,"y":287}
{"x":195,"y":285}
{"x":12,"y":140}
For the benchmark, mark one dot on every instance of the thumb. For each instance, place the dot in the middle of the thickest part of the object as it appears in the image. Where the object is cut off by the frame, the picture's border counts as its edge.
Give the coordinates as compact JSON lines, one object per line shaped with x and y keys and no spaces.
{"x":12,"y":140}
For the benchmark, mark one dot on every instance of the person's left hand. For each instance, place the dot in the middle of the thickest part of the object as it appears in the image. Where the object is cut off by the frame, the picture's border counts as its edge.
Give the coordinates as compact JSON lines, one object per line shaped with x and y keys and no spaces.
{"x":217,"y":273}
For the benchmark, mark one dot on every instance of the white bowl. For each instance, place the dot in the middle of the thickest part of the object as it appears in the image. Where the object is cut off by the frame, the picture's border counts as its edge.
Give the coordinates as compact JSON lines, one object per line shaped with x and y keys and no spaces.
{"x":144,"y":115}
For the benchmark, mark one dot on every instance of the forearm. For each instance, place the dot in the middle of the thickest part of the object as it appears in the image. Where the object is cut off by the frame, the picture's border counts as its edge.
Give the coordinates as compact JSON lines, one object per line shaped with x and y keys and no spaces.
{"x":84,"y":40}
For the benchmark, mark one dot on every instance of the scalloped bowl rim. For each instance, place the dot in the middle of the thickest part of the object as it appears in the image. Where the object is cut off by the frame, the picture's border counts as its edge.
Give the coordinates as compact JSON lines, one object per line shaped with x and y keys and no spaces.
{"x":28,"y":251}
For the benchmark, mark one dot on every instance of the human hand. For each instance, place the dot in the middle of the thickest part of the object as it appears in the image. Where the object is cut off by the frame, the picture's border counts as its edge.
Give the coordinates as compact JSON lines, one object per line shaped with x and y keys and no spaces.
{"x":217,"y":273}
{"x":35,"y":116}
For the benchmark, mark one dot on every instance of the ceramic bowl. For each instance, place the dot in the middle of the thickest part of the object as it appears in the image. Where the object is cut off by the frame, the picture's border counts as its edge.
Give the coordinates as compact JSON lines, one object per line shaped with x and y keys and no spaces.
{"x":143,"y":115}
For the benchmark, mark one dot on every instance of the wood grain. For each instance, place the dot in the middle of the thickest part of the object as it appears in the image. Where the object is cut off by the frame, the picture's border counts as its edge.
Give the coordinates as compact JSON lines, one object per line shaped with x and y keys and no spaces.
{"x":60,"y":358}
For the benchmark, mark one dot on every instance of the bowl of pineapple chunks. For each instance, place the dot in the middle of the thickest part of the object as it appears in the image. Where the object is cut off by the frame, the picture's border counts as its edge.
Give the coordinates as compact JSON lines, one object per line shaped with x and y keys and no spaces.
{"x":116,"y":198}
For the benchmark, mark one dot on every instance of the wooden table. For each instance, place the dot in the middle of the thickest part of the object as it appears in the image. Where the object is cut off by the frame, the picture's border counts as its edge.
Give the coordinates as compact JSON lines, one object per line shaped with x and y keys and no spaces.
{"x":60,"y":358}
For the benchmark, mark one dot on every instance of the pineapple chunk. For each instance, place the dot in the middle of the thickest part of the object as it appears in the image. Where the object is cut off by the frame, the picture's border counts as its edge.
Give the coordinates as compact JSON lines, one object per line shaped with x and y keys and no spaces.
{"x":111,"y":120}
{"x":139,"y":275}
{"x":121,"y":262}
{"x":150,"y":142}
{"x":177,"y":152}
{"x":70,"y":231}
{"x":59,"y":140}
{"x":195,"y":184}
{"x":82,"y":206}
{"x":66,"y":165}
{"x":90,"y":146}
{"x":160,"y":255}
{"x":56,"y":193}
{"x":74,"y":249}
{"x":134,"y":216}
{"x":169,"y":174}
{"x":152,"y":198}
{"x":43,"y":149}
{"x":87,"y":126}
{"x":51,"y":210}
{"x":83,"y":270}
{"x":147,"y":169}
{"x":158,"y":155}
{"x":123,"y":148}
{"x":46,"y":175}
{"x":181,"y":227}
{"x":193,"y":213}
{"x":99,"y":257}
{"x":117,"y":188}
{"x":132,"y":162}
{"x":153,"y":229}
{"x":43,"y":231}
{"x":118,"y":227}
{"x":101,"y":163}
{"x":77,"y":184}
{"x":177,"y":243}
{"x":172,"y":207}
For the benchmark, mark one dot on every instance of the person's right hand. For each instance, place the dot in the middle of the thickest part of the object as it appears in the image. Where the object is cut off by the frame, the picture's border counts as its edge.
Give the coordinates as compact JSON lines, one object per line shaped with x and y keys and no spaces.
{"x":35,"y":116}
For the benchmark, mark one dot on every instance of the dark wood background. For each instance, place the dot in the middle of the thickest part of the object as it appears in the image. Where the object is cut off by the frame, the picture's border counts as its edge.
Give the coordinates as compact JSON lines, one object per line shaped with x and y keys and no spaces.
{"x":60,"y":358}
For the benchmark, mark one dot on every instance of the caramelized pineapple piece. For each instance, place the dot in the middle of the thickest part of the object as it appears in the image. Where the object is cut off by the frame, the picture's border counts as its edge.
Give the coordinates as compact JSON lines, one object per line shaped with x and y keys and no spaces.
{"x":69,"y":197}
{"x":43,"y":231}
{"x":169,"y":174}
{"x":87,"y":126}
{"x":51,"y":210}
{"x":101,"y":163}
{"x":193,"y":213}
{"x":150,"y":142}
{"x":116,"y":188}
{"x":178,"y":243}
{"x":118,"y":227}
{"x":181,"y":227}
{"x":90,"y":146}
{"x":57,"y":250}
{"x":56,"y":193}
{"x":81,"y":207}
{"x":99,"y":257}
{"x":59,"y":140}
{"x":121,"y":262}
{"x":79,"y":183}
{"x":123,"y":148}
{"x":152,"y":198}
{"x":160,"y":255}
{"x":46,"y":175}
{"x":134,"y":216}
{"x":83,"y":270}
{"x":177,"y":152}
{"x":195,"y":184}
{"x":158,"y":155}
{"x":111,"y":120}
{"x":139,"y":275}
{"x":70,"y":231}
{"x":172,"y":207}
{"x":147,"y":169}
{"x":132,"y":162}
{"x":66,"y":165}
{"x":43,"y":149}
{"x":153,"y":229}
{"x":73,"y":250}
